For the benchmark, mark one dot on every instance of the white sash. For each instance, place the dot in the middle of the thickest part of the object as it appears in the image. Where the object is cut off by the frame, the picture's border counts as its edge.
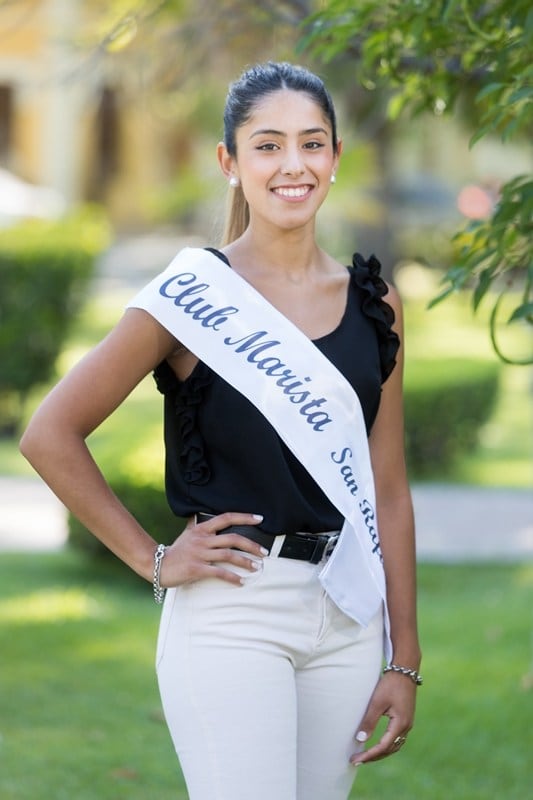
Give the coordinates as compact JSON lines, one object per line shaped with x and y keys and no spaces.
{"x":229,"y":326}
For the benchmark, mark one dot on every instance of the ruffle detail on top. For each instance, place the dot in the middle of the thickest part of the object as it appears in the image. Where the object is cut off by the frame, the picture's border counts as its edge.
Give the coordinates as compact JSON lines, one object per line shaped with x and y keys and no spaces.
{"x":188,"y":396}
{"x":367,"y":278}
{"x":165,"y":379}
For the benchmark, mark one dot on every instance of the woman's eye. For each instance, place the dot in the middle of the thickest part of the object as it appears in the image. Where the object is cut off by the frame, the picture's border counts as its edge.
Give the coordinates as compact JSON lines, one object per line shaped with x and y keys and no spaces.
{"x":272,"y":146}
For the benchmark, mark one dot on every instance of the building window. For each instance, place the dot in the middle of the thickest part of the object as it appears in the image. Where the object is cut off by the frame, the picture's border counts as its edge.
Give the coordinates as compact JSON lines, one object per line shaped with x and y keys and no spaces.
{"x":6,"y":123}
{"x":106,"y":145}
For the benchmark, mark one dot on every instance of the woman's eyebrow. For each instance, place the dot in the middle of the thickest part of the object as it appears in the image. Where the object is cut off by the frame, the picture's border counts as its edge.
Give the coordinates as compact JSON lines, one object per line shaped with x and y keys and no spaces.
{"x":273,"y":132}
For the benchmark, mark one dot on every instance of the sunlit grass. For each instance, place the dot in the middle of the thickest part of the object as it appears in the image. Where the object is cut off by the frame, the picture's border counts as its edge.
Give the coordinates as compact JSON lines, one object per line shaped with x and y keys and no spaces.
{"x":79,"y":710}
{"x":80,"y":715}
{"x":50,"y":605}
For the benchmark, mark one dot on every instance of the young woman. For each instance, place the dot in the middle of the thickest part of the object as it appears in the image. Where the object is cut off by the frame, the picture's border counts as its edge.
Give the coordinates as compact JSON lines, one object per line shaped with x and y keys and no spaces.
{"x":279,"y":435}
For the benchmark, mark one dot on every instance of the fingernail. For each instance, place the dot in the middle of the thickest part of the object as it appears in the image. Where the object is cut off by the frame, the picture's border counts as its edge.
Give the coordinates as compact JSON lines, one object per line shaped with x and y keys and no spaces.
{"x":258,"y":517}
{"x":361,"y":736}
{"x":264,"y":551}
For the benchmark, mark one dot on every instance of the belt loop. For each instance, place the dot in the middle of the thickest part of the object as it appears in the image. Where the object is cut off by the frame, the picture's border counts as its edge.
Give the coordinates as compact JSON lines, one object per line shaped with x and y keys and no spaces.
{"x":276,"y":547}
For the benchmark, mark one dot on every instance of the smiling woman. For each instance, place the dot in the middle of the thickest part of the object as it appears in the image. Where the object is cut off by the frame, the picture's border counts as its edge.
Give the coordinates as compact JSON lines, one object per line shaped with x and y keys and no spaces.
{"x":281,"y":371}
{"x":293,"y":164}
{"x":245,"y":98}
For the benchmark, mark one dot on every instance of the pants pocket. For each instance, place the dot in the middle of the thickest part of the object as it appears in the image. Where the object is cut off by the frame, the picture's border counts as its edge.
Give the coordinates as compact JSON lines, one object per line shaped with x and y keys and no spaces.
{"x":247,"y":576}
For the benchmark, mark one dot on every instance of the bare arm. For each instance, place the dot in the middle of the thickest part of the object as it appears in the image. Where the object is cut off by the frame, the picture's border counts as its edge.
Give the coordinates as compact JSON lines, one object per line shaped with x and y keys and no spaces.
{"x":395,"y":694}
{"x":54,"y":443}
{"x":395,"y":511}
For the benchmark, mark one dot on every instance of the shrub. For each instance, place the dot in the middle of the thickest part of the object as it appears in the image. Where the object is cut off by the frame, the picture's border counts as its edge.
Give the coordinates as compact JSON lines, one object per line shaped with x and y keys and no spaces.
{"x":147,"y":504}
{"x":446,"y":403}
{"x":44,"y":271}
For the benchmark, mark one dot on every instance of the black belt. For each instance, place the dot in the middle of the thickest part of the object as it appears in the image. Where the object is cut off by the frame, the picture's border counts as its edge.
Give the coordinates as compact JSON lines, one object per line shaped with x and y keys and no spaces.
{"x":312,"y":547}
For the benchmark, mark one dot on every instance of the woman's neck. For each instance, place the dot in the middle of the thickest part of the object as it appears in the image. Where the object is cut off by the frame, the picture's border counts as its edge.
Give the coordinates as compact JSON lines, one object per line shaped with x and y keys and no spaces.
{"x":291,"y":255}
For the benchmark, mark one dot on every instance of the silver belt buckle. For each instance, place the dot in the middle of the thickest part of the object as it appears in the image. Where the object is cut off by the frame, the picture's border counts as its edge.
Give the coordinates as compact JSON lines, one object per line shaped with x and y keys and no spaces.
{"x":330,"y":546}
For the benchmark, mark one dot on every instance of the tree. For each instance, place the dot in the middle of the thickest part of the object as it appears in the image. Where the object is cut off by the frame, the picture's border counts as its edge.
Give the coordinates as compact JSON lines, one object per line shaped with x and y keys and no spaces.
{"x":187,"y":37}
{"x":172,"y":61}
{"x":467,"y":56}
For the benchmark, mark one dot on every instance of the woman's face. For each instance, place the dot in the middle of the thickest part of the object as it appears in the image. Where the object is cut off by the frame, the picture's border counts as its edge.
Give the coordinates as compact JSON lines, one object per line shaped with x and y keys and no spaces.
{"x":285,"y":159}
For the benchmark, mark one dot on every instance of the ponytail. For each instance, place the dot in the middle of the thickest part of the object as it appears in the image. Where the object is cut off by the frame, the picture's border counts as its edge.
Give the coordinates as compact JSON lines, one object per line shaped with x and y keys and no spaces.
{"x":237,"y":216}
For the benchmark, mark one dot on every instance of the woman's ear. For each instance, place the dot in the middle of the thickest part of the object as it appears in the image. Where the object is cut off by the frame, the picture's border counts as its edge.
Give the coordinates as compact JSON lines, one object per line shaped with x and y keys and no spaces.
{"x":226,"y":162}
{"x":339,"y":152}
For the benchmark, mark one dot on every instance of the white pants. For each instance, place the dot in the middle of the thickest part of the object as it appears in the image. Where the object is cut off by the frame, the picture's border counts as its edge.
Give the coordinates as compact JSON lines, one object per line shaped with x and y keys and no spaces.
{"x":263,"y":686}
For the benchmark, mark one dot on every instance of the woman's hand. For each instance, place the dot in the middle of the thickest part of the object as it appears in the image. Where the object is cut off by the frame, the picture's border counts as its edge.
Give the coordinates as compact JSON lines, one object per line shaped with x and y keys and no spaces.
{"x":202,"y":552}
{"x":394,"y":697}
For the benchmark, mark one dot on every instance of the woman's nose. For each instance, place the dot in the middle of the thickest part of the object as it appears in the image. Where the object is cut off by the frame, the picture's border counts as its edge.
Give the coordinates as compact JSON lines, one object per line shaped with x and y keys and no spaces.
{"x":292,"y":164}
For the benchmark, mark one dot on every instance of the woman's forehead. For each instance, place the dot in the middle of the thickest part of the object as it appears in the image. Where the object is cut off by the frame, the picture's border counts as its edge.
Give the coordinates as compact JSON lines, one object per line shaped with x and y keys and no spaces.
{"x":287,"y":104}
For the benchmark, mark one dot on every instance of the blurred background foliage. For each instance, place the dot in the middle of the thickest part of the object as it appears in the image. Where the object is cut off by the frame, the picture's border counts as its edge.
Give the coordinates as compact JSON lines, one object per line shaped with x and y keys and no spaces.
{"x":471,"y":59}
{"x":45,"y":269}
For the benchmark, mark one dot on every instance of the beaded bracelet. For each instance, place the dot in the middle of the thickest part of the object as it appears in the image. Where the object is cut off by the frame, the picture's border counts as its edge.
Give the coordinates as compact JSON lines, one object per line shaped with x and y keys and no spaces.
{"x":159,"y":592}
{"x":410,"y":673}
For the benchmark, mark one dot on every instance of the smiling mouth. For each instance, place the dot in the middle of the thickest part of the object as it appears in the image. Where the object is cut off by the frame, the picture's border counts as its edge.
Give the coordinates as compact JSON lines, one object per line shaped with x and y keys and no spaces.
{"x":292,"y":191}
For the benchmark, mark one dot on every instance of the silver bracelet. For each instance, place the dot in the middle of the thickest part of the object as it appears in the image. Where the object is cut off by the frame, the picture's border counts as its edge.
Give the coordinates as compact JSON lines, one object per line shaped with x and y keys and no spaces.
{"x":410,"y":673}
{"x":159,"y":592}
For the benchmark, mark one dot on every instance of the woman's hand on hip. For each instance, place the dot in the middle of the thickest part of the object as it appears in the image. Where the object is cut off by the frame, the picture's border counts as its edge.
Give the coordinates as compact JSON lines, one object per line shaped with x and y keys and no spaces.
{"x":201,"y":551}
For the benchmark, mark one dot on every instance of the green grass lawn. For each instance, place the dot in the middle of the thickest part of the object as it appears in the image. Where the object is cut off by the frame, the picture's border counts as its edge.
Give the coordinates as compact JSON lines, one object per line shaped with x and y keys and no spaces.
{"x":80,"y":714}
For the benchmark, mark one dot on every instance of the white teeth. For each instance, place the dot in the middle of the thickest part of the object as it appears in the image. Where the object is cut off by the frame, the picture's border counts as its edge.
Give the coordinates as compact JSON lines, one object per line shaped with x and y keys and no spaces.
{"x":294,"y":192}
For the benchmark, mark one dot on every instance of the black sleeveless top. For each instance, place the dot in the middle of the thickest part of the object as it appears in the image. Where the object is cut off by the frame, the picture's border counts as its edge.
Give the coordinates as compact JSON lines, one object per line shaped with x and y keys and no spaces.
{"x":223,"y":455}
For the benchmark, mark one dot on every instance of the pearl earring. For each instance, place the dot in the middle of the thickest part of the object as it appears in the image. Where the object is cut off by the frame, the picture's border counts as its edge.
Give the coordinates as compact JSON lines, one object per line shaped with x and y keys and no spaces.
{"x":234,"y":182}
{"x":333,"y":178}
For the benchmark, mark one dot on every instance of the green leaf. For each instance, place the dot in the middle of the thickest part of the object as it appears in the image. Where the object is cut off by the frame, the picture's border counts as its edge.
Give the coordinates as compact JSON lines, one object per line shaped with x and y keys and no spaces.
{"x":525,"y":311}
{"x":396,"y":105}
{"x":511,"y":128}
{"x":480,"y":133}
{"x":457,"y":275}
{"x":484,"y":283}
{"x":442,"y":296}
{"x":529,"y":23}
{"x":493,"y":337}
{"x":489,"y":89}
{"x":447,"y":9}
{"x":507,"y":210}
{"x":520,"y":94}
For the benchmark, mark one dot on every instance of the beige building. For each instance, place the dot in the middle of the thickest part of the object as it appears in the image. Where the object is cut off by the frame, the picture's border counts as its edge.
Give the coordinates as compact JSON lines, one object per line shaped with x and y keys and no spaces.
{"x":72,"y":119}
